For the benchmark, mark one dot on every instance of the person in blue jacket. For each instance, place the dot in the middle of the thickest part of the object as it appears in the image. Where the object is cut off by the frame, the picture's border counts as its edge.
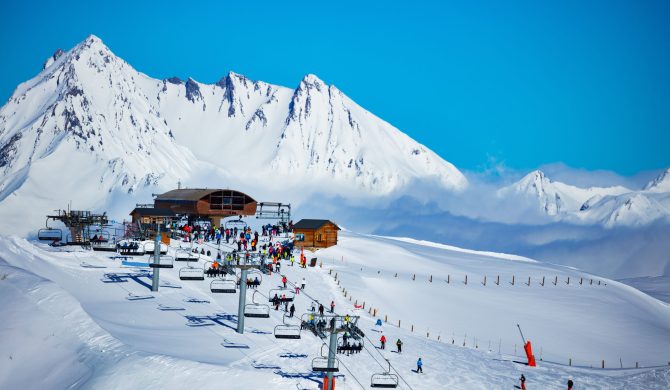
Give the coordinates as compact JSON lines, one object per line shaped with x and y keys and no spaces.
{"x":419,"y":365}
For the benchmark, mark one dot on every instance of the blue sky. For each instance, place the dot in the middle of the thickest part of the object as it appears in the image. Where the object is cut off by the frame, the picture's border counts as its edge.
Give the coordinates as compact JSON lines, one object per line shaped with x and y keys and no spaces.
{"x":520,"y":84}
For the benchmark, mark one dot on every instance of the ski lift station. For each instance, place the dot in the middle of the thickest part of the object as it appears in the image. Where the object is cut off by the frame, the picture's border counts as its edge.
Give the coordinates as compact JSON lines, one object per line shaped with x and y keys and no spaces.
{"x":212,"y":204}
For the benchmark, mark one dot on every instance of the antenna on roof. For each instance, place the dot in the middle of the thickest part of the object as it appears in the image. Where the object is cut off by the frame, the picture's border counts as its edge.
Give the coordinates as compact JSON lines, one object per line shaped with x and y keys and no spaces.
{"x":179,"y":185}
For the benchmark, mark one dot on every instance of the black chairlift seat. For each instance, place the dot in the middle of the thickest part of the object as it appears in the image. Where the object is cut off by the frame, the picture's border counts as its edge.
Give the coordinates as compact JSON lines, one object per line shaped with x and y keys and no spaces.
{"x":223,"y":286}
{"x":287,"y":332}
{"x":132,"y":249}
{"x":183,"y":255}
{"x":254,"y":310}
{"x":163,"y":262}
{"x":290,"y":295}
{"x":320,"y":364}
{"x":50,"y":234}
{"x":191,"y":274}
{"x":385,"y":380}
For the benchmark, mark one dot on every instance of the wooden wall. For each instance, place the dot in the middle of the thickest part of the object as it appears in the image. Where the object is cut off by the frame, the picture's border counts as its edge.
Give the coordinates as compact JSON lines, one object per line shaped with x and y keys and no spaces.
{"x":324,"y":237}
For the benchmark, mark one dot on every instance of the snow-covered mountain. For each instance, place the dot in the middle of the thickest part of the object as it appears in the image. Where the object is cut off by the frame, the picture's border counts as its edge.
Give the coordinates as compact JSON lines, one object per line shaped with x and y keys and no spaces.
{"x":89,"y":125}
{"x":660,"y":183}
{"x":94,"y":104}
{"x":89,"y":129}
{"x":608,"y":206}
{"x":556,"y":197}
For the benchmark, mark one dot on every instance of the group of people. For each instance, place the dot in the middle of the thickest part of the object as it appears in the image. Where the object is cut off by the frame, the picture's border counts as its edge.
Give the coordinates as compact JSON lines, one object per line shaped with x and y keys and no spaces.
{"x":398,"y":344}
{"x":350,"y":348}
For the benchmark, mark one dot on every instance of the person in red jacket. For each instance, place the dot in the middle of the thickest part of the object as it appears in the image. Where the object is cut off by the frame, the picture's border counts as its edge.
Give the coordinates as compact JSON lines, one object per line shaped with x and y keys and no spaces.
{"x":383,"y":341}
{"x":284,"y":280}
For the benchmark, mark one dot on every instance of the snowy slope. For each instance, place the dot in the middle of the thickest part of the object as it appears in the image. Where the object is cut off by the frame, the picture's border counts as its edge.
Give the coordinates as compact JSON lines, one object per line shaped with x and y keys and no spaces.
{"x":132,"y":344}
{"x":110,"y":129}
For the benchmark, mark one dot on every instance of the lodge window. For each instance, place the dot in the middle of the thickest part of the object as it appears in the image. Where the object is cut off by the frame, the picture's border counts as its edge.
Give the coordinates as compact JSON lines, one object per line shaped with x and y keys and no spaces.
{"x":318,"y":237}
{"x":300,"y":237}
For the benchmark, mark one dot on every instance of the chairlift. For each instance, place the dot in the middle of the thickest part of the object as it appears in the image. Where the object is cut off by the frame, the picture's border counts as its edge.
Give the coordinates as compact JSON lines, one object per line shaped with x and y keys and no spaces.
{"x":236,"y":223}
{"x":185,"y":255}
{"x":225,"y":286}
{"x":50,"y":234}
{"x":191,"y":273}
{"x":384,"y":379}
{"x":290,"y":295}
{"x":256,"y":310}
{"x":130,"y":248}
{"x":102,"y":242}
{"x":340,"y":341}
{"x":287,"y":332}
{"x":149,"y":247}
{"x":163,"y":262}
{"x":320,"y":364}
{"x":253,"y":273}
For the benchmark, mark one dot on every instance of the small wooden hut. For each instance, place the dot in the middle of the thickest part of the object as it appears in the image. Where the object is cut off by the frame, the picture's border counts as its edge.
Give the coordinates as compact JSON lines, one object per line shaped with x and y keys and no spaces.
{"x":315,"y":233}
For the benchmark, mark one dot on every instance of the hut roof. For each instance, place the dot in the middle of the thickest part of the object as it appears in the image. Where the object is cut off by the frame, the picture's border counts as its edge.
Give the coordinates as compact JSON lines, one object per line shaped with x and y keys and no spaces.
{"x":313,"y":224}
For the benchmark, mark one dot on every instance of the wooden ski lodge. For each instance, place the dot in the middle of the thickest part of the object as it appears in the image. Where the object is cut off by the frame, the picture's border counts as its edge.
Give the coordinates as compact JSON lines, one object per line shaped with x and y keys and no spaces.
{"x":315,"y":233}
{"x":203,"y":203}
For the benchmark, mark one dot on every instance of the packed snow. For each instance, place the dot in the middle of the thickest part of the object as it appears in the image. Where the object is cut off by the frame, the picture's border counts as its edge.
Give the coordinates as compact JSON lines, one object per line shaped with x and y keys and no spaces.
{"x":70,"y":317}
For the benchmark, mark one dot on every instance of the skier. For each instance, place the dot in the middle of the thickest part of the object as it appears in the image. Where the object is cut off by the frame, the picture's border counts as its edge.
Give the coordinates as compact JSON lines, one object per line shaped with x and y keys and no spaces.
{"x":419,"y":366}
{"x":284,"y":280}
{"x":332,"y":306}
{"x":378,"y":325}
{"x":321,"y":310}
{"x":292,"y":310}
{"x":275,"y":301}
{"x":523,"y":382}
{"x":313,"y":307}
{"x":399,"y":345}
{"x":302,"y":285}
{"x":570,"y":384}
{"x":383,"y":341}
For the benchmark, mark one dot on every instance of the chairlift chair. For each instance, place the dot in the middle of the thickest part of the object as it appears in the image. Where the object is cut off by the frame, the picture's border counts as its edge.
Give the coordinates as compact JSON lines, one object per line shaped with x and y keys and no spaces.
{"x":290,"y":295}
{"x":253,"y":273}
{"x":191,"y":273}
{"x":185,"y":255}
{"x":320,"y":364}
{"x":163,"y":262}
{"x":384,"y":379}
{"x":256,"y":310}
{"x":50,"y":234}
{"x":149,"y":247}
{"x":132,"y":248}
{"x":225,"y":286}
{"x":232,"y":223}
{"x":287,"y":332}
{"x":103,"y":243}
